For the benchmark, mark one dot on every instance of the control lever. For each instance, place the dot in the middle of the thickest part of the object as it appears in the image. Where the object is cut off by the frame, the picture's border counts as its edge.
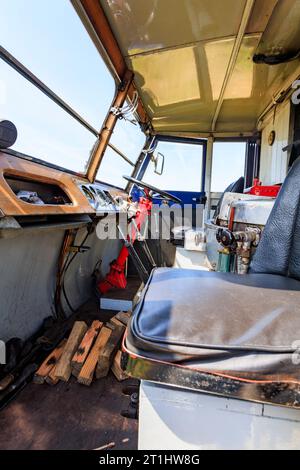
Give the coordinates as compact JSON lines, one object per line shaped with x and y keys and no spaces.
{"x":144,"y":246}
{"x":143,"y":273}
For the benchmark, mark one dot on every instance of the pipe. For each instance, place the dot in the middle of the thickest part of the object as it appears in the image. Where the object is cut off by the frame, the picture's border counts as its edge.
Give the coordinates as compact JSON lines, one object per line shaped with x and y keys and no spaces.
{"x":233,"y":58}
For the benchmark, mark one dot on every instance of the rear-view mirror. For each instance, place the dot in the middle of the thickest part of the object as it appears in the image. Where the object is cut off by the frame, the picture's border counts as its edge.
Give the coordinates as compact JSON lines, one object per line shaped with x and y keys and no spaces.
{"x":159,"y":163}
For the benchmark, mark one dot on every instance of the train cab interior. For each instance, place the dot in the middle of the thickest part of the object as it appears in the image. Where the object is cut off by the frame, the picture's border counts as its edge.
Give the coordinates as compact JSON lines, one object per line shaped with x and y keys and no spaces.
{"x":149,"y":166}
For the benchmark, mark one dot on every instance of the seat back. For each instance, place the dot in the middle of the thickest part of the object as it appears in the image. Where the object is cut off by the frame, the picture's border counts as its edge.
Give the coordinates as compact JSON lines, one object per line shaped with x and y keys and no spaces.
{"x":235,"y":187}
{"x":279,"y":249}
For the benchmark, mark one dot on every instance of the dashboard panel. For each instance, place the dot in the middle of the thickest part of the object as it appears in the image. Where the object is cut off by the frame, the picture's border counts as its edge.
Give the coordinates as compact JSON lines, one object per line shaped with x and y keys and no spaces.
{"x":102,"y":199}
{"x":28,"y":188}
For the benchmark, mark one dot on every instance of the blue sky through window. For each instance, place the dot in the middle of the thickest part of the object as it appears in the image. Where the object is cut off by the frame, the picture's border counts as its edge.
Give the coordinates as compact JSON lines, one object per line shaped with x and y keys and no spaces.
{"x":228,"y":164}
{"x":48,"y":37}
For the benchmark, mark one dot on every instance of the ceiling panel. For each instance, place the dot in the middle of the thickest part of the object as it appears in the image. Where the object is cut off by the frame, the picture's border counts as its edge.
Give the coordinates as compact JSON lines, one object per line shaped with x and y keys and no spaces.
{"x":179,"y":51}
{"x":183,"y":83}
{"x":144,"y":25}
{"x":251,"y":88}
{"x":241,"y":83}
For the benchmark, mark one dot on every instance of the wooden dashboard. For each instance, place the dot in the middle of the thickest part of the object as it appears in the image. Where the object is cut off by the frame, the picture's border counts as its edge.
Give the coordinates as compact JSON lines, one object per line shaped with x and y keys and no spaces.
{"x":12,"y":167}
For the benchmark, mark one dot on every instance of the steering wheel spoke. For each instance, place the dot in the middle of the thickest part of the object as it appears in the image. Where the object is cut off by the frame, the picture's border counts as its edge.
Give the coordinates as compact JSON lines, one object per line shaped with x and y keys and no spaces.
{"x":148,"y":187}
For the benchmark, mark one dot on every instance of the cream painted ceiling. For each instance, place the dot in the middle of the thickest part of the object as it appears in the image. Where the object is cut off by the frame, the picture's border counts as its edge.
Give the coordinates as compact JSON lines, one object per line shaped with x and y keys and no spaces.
{"x":180,"y":52}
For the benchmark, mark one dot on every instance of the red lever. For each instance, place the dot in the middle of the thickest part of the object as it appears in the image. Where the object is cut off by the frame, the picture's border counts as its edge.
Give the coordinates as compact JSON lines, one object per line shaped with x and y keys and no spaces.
{"x":116,"y":278}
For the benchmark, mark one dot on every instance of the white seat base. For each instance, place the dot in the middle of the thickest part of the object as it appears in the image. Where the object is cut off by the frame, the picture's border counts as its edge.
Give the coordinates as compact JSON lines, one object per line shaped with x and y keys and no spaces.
{"x":177,"y":419}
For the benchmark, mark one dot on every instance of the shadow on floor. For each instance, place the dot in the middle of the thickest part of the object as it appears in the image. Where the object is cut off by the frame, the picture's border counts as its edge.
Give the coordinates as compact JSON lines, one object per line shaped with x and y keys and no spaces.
{"x":68,"y":416}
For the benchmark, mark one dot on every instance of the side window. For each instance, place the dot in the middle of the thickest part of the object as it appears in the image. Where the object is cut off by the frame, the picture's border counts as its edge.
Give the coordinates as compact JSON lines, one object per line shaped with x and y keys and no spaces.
{"x":48,"y":38}
{"x":228,"y":164}
{"x":129,"y":139}
{"x":182,"y":168}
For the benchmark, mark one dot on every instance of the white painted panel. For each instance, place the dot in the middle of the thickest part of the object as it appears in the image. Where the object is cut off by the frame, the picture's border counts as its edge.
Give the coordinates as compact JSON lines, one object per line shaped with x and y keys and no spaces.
{"x":185,"y":259}
{"x":171,"y":418}
{"x":273,"y":162}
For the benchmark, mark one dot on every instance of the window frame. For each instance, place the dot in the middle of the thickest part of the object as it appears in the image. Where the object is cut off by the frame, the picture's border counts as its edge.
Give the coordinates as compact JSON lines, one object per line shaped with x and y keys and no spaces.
{"x":154,"y":141}
{"x":228,"y":140}
{"x":123,"y":155}
{"x":134,"y":165}
{"x":12,"y":62}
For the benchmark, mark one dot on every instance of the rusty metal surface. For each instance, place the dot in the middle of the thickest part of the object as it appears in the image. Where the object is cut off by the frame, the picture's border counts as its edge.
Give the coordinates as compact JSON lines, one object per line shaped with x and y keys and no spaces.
{"x":108,"y":126}
{"x":272,"y":392}
{"x":94,"y":14}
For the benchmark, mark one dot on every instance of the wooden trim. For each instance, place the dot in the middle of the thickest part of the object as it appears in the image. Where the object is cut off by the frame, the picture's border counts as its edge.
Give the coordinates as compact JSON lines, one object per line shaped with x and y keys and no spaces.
{"x":12,"y":206}
{"x":108,"y":127}
{"x":101,"y":26}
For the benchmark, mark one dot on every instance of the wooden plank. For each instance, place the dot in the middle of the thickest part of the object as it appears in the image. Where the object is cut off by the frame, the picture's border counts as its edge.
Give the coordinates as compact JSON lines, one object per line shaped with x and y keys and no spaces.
{"x":86,"y":374}
{"x":51,"y":378}
{"x":123,"y":317}
{"x":116,"y":368}
{"x":114,"y":321}
{"x":108,"y":353}
{"x":49,"y":363}
{"x":63,"y":369}
{"x":85,"y":347}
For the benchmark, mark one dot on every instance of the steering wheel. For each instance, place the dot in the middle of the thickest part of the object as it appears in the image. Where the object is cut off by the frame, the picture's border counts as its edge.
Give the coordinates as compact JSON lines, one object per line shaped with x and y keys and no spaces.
{"x":148,"y":187}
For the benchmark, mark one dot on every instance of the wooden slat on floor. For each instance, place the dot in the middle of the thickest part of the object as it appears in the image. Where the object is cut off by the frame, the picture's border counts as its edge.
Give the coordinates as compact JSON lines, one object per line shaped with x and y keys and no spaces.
{"x":69,"y":416}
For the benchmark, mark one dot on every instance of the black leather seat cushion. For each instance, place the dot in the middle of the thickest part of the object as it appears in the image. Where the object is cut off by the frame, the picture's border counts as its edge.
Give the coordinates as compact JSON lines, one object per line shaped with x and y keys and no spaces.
{"x":278,"y":251}
{"x":219,"y":321}
{"x":246,"y":326}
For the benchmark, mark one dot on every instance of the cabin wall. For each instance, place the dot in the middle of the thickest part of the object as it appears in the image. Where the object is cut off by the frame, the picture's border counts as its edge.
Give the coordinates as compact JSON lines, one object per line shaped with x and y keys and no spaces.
{"x":28,"y":271}
{"x":274,"y":162}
